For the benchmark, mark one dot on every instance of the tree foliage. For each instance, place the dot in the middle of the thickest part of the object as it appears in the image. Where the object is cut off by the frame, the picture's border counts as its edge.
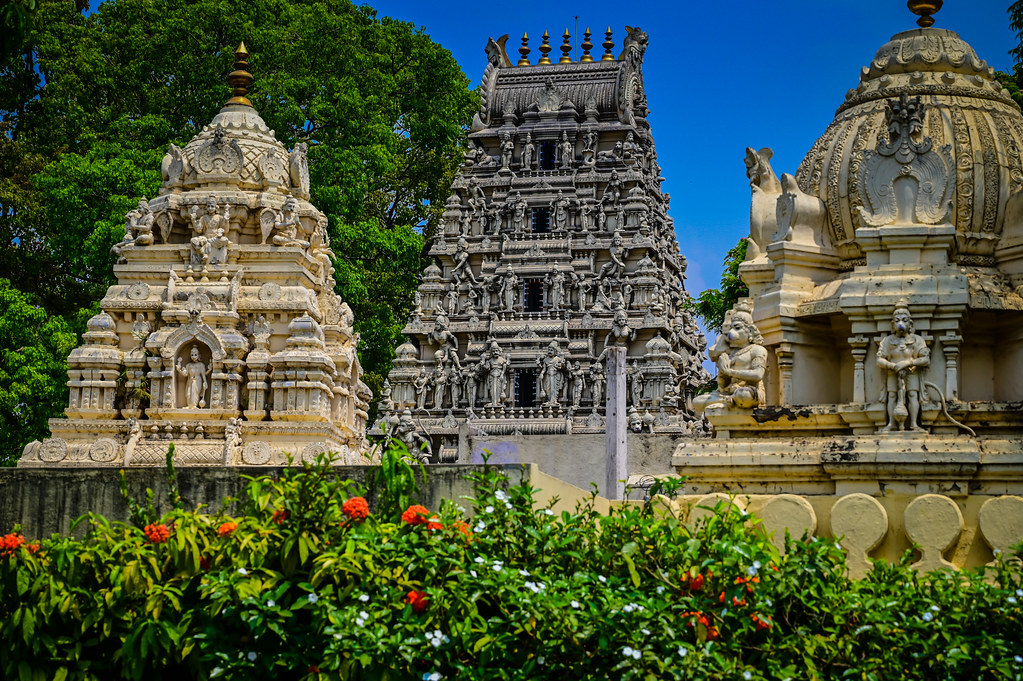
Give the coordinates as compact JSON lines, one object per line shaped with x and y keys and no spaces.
{"x":33,"y":369}
{"x":712,"y":304}
{"x":89,"y":103}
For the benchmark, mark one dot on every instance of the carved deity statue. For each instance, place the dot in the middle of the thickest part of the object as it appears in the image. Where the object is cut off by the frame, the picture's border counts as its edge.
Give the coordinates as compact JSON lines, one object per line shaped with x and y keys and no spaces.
{"x":567,"y":148}
{"x":528,"y":152}
{"x":552,"y":365}
{"x":204,"y":227}
{"x":621,"y":333}
{"x":462,"y":268}
{"x":418,"y":446}
{"x":497,"y":374}
{"x":766,"y":190}
{"x":509,"y":291}
{"x":518,"y":207}
{"x":615,"y":268}
{"x":613,"y":191}
{"x":556,"y":294}
{"x":194,"y":373}
{"x":899,"y":354}
{"x":741,"y":362}
{"x":578,"y":375}
{"x":507,"y":150}
{"x":443,"y":337}
{"x":286,"y":226}
{"x":421,"y":384}
{"x":477,"y":199}
{"x":598,"y":379}
{"x":559,"y":212}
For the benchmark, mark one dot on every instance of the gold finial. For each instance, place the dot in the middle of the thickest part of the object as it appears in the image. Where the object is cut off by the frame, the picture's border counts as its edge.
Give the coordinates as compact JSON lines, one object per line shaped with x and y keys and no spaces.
{"x":924,"y":8}
{"x":524,"y":51}
{"x":608,"y":45}
{"x":587,"y":46}
{"x":566,"y":47}
{"x":240,"y":79}
{"x":545,"y":48}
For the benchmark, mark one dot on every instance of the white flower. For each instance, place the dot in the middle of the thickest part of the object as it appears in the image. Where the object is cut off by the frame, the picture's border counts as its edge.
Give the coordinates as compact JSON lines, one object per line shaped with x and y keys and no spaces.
{"x":362,"y":618}
{"x":501,"y":495}
{"x":682,"y":652}
{"x":548,"y":511}
{"x":461,"y":509}
{"x":1019,"y":660}
{"x":524,"y":573}
{"x":488,"y":509}
{"x":928,"y":617}
{"x":1011,"y":600}
{"x":1019,"y":592}
{"x":838,"y":546}
{"x":575,"y":604}
{"x":602,"y":579}
{"x":533,"y":587}
{"x":271,"y":603}
{"x":660,"y":589}
{"x":472,"y":573}
{"x":742,"y":512}
{"x":432,"y":677}
{"x":646,"y":632}
{"x":252,"y":656}
{"x":935,"y":608}
{"x":508,"y":505}
{"x":497,"y":568}
{"x":632,"y":606}
{"x":313,"y":598}
{"x":479,"y":560}
{"x":436,"y":638}
{"x":631,"y":652}
{"x":480,"y":526}
{"x":243,"y":572}
{"x":746,"y":675}
{"x":541,"y":659}
{"x":364,"y":598}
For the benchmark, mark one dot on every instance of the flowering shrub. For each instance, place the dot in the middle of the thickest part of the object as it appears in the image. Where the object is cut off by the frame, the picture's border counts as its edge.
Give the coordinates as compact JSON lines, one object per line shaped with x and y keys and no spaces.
{"x":301,"y":592}
{"x":356,"y":508}
{"x":227,"y":528}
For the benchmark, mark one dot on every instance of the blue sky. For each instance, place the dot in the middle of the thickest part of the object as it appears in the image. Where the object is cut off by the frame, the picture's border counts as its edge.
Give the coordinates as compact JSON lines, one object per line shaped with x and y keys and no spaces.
{"x":720,"y":76}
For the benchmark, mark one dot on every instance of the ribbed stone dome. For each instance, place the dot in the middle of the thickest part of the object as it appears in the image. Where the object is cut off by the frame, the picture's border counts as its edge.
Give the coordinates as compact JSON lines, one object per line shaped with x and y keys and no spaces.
{"x":965,"y":110}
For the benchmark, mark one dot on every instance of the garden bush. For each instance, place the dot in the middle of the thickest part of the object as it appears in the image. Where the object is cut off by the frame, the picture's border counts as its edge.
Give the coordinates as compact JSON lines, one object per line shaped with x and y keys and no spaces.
{"x":303,"y":580}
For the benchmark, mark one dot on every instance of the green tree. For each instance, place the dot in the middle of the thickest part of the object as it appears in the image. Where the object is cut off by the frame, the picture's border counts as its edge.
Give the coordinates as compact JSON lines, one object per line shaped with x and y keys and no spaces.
{"x":88,"y":108}
{"x":712,"y":304}
{"x":33,"y":369}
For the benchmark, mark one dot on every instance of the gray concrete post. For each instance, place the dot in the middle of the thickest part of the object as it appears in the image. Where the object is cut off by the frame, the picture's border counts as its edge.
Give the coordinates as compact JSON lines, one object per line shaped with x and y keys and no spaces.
{"x":617,"y":469}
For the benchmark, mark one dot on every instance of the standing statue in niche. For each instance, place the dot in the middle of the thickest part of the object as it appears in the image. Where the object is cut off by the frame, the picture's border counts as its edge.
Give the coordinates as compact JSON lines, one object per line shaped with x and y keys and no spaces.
{"x":578,"y":384}
{"x":497,"y":369}
{"x":559,"y":212}
{"x":507,"y":151}
{"x":518,"y":209}
{"x":598,"y":378}
{"x":551,"y":365}
{"x":194,"y":373}
{"x":528,"y":152}
{"x":899,"y":354}
{"x":556,"y":295}
{"x":567,"y":150}
{"x":509,"y":291}
{"x":741,"y":362}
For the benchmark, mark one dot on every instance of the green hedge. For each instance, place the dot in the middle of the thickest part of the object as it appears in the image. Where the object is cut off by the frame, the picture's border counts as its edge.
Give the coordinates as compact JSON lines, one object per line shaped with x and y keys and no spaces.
{"x":300,"y":585}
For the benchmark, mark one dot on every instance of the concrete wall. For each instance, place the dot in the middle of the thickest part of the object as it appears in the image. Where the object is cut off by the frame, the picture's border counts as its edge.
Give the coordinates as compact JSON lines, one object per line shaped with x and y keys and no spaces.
{"x":579,"y":459}
{"x":47,"y":501}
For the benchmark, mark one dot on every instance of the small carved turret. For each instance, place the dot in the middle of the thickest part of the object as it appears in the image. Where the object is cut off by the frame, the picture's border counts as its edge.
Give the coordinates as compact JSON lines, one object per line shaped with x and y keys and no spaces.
{"x":524,"y":51}
{"x":240,"y":79}
{"x":608,"y":45}
{"x":545,"y":48}
{"x":587,"y":46}
{"x":566,"y":48}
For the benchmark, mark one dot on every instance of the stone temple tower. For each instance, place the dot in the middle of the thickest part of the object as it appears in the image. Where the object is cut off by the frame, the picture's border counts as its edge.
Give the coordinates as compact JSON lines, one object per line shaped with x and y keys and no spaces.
{"x":223,"y":334}
{"x":555,"y":244}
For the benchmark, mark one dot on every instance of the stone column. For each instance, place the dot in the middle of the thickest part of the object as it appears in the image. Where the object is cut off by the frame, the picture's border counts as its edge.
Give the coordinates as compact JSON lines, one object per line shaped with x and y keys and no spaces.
{"x":617,"y":469}
{"x":783,"y":351}
{"x":950,"y":347}
{"x":859,"y":353}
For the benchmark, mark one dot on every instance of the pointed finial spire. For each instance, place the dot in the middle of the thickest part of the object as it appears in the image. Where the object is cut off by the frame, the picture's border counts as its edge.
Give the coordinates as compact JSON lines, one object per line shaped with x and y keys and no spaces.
{"x":545,"y":48}
{"x":608,"y":45}
{"x":587,"y":46}
{"x":240,"y":79}
{"x":924,"y":9}
{"x":566,"y":47}
{"x":524,"y":51}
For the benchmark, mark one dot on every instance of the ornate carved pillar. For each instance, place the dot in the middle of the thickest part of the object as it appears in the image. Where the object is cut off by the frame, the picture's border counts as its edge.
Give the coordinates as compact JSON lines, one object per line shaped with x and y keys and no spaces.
{"x":950,"y":347}
{"x":783,"y":352}
{"x":859,"y":352}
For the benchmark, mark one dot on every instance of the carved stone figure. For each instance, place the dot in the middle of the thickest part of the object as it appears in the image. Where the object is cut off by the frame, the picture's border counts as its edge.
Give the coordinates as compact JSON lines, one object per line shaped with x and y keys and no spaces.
{"x":741,"y":362}
{"x":462,"y":269}
{"x":615,"y":268}
{"x":556,"y":287}
{"x":621,"y":333}
{"x":286,"y":226}
{"x":298,"y":167}
{"x":766,"y":189}
{"x":552,"y":366}
{"x":900,"y":354}
{"x":195,"y":374}
{"x":567,"y":149}
{"x":578,"y":383}
{"x":141,"y":221}
{"x":528,"y":152}
{"x":519,"y":208}
{"x":452,"y":298}
{"x":509,"y":292}
{"x":204,"y":227}
{"x":421,"y":385}
{"x":635,"y":377}
{"x":598,"y":379}
{"x":559,"y":212}
{"x":507,"y":150}
{"x":497,"y":374}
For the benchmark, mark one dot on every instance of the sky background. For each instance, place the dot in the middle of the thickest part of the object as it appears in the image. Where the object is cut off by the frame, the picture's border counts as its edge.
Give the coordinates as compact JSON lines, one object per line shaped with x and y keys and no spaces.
{"x":719,"y":76}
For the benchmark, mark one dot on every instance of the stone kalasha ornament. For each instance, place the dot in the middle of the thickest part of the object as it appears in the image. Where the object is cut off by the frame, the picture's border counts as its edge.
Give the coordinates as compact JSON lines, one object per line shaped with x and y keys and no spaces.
{"x":741,"y":361}
{"x":227,"y":263}
{"x":571,"y":244}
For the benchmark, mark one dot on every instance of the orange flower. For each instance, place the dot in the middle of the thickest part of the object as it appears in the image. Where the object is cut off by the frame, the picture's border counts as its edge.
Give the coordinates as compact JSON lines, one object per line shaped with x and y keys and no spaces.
{"x":356,"y":508}
{"x":33,"y":547}
{"x":227,"y":528}
{"x":693,"y":583}
{"x":721,"y":598}
{"x":462,"y":527}
{"x":418,"y":601}
{"x":434,"y":523}
{"x":280,"y":515}
{"x":415,"y":515}
{"x":9,"y":543}
{"x":761,"y":624}
{"x":712,"y":633}
{"x":157,"y":533}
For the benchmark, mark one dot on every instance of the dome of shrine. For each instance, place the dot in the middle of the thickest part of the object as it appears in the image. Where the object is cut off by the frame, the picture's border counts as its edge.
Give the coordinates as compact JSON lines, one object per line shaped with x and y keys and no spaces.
{"x":969,"y":118}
